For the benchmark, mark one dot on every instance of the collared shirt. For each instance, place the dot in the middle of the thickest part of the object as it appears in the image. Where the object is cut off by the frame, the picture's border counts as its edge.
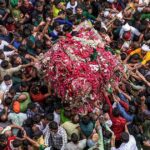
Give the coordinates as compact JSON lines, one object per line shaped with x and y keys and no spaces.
{"x":57,"y":140}
{"x":131,"y":145}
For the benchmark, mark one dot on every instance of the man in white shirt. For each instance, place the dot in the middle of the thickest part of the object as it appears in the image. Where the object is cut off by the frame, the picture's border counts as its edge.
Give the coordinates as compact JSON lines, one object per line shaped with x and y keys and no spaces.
{"x":132,"y":30}
{"x":5,"y":86}
{"x":128,"y":142}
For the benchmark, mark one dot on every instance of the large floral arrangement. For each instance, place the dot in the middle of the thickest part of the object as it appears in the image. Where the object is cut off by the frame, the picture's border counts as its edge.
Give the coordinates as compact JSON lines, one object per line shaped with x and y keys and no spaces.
{"x":79,"y":67}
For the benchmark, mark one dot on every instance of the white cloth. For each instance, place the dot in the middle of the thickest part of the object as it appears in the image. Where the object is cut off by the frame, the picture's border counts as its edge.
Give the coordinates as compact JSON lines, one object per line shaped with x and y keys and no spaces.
{"x":3,"y":43}
{"x":131,"y":145}
{"x":5,"y":88}
{"x":7,"y":54}
{"x":56,"y":118}
{"x":80,"y":146}
{"x":73,"y":7}
{"x":133,"y":30}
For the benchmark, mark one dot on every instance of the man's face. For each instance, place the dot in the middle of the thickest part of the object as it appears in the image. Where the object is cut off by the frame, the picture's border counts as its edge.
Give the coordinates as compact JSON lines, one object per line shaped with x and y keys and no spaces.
{"x":53,"y":132}
{"x":79,"y":11}
{"x":8,"y":82}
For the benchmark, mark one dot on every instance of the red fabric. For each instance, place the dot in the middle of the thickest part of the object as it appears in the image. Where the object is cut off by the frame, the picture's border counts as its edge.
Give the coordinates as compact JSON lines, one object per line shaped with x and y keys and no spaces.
{"x":10,"y":27}
{"x":118,"y":123}
{"x":127,"y":36}
{"x":37,"y":97}
{"x":125,"y":105}
{"x":118,"y":126}
{"x":10,"y":139}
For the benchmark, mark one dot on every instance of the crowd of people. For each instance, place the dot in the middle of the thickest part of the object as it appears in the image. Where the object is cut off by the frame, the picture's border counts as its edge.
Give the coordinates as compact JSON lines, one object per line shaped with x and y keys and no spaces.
{"x":32,"y":118}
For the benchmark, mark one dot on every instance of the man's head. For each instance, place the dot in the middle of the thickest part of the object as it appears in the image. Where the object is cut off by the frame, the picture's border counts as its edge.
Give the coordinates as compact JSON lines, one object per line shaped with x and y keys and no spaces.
{"x":79,"y":10}
{"x":3,"y":141}
{"x":116,"y":112}
{"x":125,"y":137}
{"x":74,"y":138}
{"x":85,"y":119}
{"x":145,"y":48}
{"x":7,"y":80}
{"x":4,"y":64}
{"x":53,"y":127}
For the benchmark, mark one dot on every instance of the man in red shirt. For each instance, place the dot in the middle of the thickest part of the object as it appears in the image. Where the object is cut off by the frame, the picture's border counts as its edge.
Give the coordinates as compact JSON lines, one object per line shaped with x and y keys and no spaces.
{"x":118,"y":122}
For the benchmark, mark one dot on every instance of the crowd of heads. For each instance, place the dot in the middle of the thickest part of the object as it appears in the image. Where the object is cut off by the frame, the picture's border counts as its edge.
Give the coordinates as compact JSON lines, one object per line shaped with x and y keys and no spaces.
{"x":32,"y":117}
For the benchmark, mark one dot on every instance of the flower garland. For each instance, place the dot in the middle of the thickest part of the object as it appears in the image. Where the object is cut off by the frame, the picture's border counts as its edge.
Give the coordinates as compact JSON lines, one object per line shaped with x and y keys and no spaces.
{"x":79,"y":68}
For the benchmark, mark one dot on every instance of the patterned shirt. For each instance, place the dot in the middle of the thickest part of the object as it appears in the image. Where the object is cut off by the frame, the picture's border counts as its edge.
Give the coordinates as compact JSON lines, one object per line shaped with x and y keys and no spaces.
{"x":57,"y":140}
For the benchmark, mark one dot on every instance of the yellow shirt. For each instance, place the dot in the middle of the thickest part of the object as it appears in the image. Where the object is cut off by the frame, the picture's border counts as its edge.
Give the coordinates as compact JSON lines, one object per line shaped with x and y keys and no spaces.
{"x":55,"y":11}
{"x":145,"y":59}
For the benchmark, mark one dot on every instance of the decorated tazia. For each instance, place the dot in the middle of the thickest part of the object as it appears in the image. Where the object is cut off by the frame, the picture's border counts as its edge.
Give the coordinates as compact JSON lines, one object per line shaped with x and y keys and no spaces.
{"x":79,"y":69}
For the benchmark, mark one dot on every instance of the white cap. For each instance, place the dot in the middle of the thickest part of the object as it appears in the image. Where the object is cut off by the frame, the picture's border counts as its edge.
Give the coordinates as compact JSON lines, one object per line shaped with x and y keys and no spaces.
{"x":126,"y":27}
{"x":145,"y":48}
{"x":110,"y":1}
{"x":106,"y":13}
{"x":120,"y":16}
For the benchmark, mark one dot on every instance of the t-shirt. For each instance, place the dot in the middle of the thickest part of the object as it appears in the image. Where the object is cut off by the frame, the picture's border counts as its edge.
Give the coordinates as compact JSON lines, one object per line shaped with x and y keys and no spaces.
{"x":3,"y":43}
{"x":145,"y":59}
{"x":70,"y":128}
{"x":134,"y":31}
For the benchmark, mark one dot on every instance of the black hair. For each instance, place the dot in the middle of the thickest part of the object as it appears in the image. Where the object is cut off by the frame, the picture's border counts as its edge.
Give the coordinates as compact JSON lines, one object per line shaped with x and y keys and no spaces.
{"x":12,"y":90}
{"x":125,"y":137}
{"x":72,"y":18}
{"x":16,"y":143}
{"x":8,"y":101}
{"x":39,"y":44}
{"x":97,"y":26}
{"x":44,"y":89}
{"x":24,"y":84}
{"x":139,"y":118}
{"x":137,"y":15}
{"x":55,"y":24}
{"x":132,"y":109}
{"x":106,"y":108}
{"x":3,"y":138}
{"x":28,"y":122}
{"x":4,"y":64}
{"x":107,"y":134}
{"x":62,"y":12}
{"x":67,"y":28}
{"x":27,"y":32}
{"x":30,"y":43}
{"x":57,"y":106}
{"x":31,"y":106}
{"x":36,"y":118}
{"x":7,"y":77}
{"x":74,"y":138}
{"x":85,"y":119}
{"x":117,"y":22}
{"x":37,"y":134}
{"x":50,"y":117}
{"x":53,"y":125}
{"x":22,"y":49}
{"x":116,"y":112}
{"x":56,"y":2}
{"x":123,"y":56}
{"x":142,"y":27}
{"x":79,"y":7}
{"x":69,"y":12}
{"x":38,"y":4}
